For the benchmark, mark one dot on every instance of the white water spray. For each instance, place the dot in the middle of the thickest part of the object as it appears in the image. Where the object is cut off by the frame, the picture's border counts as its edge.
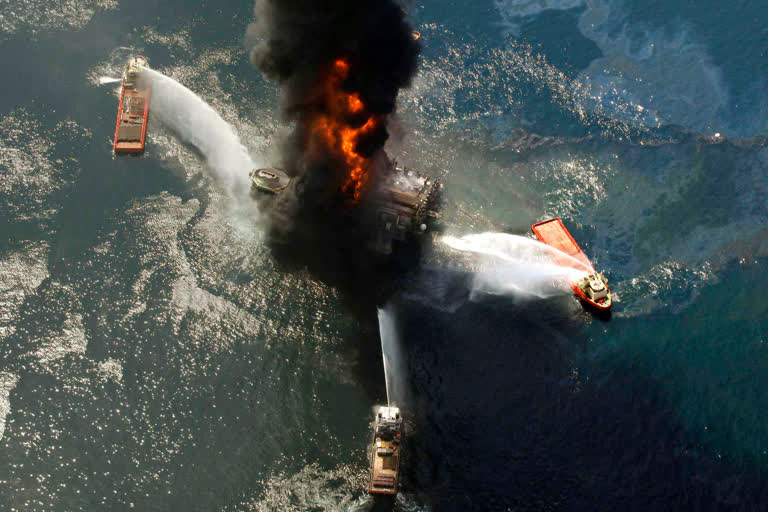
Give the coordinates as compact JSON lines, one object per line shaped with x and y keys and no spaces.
{"x":200,"y":125}
{"x":525,"y":269}
{"x":108,"y":80}
{"x":391,"y":351}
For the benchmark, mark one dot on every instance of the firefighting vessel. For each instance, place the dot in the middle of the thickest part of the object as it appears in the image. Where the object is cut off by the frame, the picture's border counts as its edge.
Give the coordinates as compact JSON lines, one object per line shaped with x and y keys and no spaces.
{"x":592,"y":287}
{"x":385,"y":452}
{"x":131,"y":128}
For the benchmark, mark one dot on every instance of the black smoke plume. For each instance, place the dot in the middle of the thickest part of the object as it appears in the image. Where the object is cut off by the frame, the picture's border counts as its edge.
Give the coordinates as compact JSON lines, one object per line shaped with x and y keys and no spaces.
{"x":294,"y":41}
{"x":316,"y":223}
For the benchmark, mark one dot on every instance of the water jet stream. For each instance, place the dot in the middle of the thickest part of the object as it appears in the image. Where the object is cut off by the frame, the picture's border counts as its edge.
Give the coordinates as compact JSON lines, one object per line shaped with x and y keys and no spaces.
{"x":392,"y":355}
{"x":199,"y":124}
{"x":108,"y":80}
{"x":525,"y":270}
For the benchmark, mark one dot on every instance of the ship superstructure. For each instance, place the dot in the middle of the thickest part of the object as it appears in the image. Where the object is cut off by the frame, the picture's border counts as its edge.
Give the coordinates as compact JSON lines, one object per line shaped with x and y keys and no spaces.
{"x":407,"y":205}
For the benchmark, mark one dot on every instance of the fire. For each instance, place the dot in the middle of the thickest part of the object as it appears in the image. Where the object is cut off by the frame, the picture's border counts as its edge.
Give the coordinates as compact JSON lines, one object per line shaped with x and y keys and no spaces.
{"x":338,"y":128}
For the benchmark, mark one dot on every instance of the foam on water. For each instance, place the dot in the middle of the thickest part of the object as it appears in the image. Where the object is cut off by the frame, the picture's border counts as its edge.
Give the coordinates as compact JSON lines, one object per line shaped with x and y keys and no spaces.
{"x":526,"y":269}
{"x":200,"y":125}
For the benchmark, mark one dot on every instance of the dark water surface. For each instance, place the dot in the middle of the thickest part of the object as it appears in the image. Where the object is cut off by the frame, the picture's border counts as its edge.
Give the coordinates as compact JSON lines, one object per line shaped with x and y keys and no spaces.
{"x":155,"y":356}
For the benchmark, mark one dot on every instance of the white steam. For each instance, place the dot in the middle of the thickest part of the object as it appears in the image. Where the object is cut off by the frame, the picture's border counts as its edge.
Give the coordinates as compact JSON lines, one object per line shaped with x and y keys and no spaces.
{"x":518,"y":266}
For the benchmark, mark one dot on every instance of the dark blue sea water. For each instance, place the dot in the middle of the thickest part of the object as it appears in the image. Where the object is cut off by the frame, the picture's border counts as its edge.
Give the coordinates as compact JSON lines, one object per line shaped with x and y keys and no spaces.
{"x":155,"y":356}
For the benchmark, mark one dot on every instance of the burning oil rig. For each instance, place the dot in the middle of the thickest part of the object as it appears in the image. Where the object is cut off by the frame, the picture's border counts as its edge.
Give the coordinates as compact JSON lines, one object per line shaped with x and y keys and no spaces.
{"x":401,"y":210}
{"x":338,"y":206}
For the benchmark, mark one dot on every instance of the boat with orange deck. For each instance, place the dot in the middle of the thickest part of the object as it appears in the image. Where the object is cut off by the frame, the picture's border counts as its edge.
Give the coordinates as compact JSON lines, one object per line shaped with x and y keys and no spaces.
{"x":592,"y":287}
{"x":131,"y":129}
{"x":385,"y":452}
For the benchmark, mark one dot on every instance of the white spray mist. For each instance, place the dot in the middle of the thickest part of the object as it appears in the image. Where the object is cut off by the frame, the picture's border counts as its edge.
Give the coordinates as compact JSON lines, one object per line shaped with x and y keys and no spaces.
{"x":200,"y":125}
{"x":394,"y":362}
{"x":518,"y":266}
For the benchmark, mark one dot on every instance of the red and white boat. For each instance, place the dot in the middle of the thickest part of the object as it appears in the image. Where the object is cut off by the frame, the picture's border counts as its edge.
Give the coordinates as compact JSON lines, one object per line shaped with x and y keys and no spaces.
{"x":131,"y":129}
{"x":592,"y":288}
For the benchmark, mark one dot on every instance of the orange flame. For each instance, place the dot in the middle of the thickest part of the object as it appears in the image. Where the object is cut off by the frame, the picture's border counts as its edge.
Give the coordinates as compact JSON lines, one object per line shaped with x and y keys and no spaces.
{"x":332,"y":131}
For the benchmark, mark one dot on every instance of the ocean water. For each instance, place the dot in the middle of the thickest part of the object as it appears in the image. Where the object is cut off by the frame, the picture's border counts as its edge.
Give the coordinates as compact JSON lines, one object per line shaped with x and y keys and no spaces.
{"x":155,"y":356}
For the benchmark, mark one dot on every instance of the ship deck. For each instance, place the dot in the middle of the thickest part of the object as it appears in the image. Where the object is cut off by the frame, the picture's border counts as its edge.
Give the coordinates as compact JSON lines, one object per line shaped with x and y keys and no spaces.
{"x":131,"y":128}
{"x":385,"y":462}
{"x":553,"y":233}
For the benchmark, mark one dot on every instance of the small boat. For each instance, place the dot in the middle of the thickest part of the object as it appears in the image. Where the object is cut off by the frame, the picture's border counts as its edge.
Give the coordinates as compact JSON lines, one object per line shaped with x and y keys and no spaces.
{"x":269,"y":180}
{"x":592,"y":288}
{"x":385,"y":454}
{"x":131,"y":129}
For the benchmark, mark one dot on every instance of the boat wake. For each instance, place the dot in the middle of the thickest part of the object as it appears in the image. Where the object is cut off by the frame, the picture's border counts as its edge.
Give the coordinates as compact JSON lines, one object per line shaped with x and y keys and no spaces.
{"x":197,"y":123}
{"x":517,"y":266}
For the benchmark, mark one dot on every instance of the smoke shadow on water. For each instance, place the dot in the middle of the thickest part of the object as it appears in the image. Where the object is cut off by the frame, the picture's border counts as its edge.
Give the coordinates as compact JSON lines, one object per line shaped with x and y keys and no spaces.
{"x":364,"y":278}
{"x":504,"y":416}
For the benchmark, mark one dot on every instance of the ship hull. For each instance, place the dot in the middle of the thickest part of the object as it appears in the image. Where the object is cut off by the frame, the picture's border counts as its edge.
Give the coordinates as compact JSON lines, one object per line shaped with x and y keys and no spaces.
{"x":554,"y":233}
{"x":132,"y":116}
